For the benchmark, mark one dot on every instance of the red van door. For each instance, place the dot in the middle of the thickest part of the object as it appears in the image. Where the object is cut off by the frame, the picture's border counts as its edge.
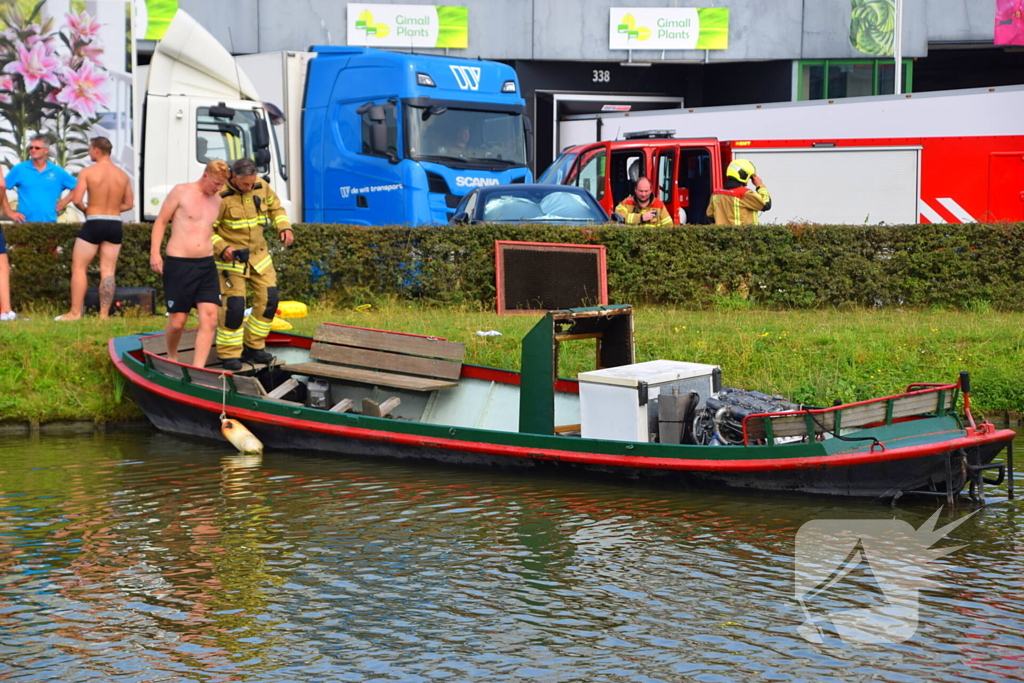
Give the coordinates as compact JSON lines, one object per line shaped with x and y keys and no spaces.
{"x":1005,"y":187}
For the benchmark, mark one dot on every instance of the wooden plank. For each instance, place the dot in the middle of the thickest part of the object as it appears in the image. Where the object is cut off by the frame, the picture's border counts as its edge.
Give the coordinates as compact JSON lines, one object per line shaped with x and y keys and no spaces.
{"x":918,"y":405}
{"x":342,"y":406}
{"x":283,"y":388}
{"x":166,"y":367}
{"x":383,"y":379}
{"x":248,"y":386}
{"x":389,"y":405}
{"x":207,"y":378}
{"x":188,"y":356}
{"x":186,"y":349}
{"x":374,"y":409}
{"x":857,"y":416}
{"x":158,"y":344}
{"x":386,"y":362}
{"x":565,"y":429}
{"x":392,"y":343}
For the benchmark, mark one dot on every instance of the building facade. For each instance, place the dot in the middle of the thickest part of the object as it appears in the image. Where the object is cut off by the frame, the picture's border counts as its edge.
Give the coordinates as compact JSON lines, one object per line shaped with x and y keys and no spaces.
{"x":778,"y":50}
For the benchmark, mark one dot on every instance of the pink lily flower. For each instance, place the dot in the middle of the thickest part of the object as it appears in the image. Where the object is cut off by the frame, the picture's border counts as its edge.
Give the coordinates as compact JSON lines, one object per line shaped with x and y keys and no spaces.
{"x":82,"y":92}
{"x":92,"y":54}
{"x":37,"y":64}
{"x":83,"y":25}
{"x":6,"y":87}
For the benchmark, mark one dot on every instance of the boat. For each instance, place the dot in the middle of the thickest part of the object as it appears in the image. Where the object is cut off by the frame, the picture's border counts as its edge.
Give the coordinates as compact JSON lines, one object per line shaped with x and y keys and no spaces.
{"x":357,"y":391}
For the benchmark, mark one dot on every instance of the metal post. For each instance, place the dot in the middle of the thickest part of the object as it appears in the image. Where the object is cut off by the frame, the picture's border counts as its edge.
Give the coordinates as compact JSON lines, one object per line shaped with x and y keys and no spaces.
{"x":898,"y":50}
{"x":1009,"y":470}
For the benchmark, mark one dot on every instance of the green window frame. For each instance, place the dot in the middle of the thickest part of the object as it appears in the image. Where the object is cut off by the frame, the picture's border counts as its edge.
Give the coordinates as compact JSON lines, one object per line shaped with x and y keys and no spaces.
{"x":807,"y":89}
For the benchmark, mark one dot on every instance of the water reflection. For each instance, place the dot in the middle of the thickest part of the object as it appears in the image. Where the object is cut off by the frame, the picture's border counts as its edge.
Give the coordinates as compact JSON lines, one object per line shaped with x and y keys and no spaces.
{"x":140,"y":557}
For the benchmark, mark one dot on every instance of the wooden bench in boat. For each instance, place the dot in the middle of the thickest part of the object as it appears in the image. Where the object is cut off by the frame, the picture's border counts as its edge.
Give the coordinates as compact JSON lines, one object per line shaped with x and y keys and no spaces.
{"x":379,"y":358}
{"x":218,"y":379}
{"x":157,"y":345}
{"x":932,"y":401}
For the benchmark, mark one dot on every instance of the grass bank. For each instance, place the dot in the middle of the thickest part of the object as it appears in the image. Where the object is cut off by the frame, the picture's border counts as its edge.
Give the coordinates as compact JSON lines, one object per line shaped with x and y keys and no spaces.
{"x":52,"y":371}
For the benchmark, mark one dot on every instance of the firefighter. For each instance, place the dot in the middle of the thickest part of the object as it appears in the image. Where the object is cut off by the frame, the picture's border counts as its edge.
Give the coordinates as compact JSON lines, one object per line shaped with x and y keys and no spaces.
{"x":736,"y":204}
{"x":248,"y":205}
{"x":643,"y":208}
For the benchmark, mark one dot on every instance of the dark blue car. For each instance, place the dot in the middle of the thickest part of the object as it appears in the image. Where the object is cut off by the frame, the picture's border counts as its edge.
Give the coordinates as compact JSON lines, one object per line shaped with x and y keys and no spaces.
{"x":560,"y":204}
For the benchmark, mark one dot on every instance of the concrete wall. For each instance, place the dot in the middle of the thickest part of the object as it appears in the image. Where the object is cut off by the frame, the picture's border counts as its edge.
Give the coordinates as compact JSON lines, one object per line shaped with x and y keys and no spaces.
{"x":578,"y":29}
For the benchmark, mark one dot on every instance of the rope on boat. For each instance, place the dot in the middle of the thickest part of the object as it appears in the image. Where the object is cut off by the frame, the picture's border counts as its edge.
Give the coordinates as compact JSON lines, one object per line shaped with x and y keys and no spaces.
{"x":223,"y":396}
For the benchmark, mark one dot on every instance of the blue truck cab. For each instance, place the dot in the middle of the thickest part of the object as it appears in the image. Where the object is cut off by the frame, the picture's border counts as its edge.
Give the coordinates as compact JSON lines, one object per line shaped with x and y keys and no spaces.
{"x":392,"y":138}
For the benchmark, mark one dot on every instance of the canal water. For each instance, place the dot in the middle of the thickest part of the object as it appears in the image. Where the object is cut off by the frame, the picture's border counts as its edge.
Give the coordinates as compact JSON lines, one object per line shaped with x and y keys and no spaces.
{"x":142,"y":557}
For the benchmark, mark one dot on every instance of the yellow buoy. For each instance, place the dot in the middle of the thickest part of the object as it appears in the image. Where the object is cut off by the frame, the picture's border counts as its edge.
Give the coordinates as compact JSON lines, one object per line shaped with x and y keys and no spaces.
{"x":291,"y":309}
{"x":280,"y":324}
{"x":240,"y":437}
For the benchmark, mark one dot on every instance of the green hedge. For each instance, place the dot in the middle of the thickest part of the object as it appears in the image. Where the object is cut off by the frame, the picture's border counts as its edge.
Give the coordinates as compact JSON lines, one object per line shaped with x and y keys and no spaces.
{"x":971,"y":266}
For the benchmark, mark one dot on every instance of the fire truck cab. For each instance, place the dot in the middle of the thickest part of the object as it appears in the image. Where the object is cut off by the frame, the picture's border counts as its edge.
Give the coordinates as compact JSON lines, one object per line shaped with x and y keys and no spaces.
{"x":683,"y":171}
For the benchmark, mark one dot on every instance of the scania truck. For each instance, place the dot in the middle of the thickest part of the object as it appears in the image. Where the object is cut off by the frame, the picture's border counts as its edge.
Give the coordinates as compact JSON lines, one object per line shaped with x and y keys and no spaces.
{"x":371,"y":137}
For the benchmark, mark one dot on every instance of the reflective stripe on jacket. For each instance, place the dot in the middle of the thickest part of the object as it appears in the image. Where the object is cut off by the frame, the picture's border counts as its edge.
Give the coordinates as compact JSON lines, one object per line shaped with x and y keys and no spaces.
{"x":240,"y":225}
{"x":738,"y":206}
{"x":633,"y":212}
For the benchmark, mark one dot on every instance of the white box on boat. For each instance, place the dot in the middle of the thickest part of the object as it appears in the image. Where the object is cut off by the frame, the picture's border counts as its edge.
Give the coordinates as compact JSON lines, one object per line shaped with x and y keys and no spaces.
{"x":620,"y":403}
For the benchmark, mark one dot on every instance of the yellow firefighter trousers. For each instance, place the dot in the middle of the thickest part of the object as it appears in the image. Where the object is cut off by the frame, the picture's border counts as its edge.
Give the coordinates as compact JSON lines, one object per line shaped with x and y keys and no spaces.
{"x":253,"y":333}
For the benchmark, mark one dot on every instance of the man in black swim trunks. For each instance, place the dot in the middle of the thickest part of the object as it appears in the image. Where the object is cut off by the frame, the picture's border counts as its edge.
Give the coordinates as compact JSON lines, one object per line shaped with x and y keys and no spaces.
{"x":110,"y":193}
{"x":190,"y":273}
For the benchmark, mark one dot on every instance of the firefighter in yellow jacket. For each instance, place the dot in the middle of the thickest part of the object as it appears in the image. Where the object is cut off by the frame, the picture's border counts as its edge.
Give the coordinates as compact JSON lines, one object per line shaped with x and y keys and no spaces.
{"x":643,"y":208}
{"x":736,"y":204}
{"x":247,"y":206}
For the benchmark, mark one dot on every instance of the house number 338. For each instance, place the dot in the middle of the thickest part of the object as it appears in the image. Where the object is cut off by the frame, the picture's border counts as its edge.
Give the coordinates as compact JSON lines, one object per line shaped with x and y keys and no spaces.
{"x":601,"y":76}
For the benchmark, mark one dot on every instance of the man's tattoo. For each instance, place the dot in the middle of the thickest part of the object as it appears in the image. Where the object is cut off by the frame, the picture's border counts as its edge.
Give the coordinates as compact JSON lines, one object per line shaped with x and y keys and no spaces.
{"x":106,"y":294}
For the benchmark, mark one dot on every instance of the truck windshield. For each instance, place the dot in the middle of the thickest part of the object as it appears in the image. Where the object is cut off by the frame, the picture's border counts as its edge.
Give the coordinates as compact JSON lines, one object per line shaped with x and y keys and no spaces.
{"x":465,"y":138}
{"x":558,"y":169}
{"x":229,"y":139}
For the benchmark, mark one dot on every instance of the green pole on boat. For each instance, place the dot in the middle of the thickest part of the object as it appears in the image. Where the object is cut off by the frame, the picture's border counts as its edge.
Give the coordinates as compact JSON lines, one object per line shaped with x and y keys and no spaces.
{"x":537,"y":387}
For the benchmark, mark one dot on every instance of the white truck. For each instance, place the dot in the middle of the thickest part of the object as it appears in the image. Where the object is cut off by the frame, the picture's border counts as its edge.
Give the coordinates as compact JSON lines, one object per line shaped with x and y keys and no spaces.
{"x":199,"y":105}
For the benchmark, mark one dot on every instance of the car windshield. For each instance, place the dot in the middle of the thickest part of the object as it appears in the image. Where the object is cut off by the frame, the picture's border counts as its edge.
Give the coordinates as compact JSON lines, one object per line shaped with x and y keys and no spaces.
{"x":465,"y":138}
{"x":558,"y":169}
{"x":539,"y":206}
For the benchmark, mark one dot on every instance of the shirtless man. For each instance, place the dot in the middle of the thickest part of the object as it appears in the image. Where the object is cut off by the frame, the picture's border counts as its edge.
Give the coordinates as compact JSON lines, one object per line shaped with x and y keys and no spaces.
{"x":110,"y":193}
{"x":190,"y":273}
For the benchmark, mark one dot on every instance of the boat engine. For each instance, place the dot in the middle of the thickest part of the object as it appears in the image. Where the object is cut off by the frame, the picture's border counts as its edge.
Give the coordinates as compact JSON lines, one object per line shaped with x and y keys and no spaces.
{"x":720,"y":422}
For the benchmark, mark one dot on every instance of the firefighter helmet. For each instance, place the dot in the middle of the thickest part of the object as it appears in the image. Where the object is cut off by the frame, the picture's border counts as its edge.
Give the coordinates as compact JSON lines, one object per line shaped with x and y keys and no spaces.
{"x":740,"y":169}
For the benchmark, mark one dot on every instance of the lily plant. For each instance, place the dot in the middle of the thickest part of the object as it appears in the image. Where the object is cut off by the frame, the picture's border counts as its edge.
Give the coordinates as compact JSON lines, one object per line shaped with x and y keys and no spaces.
{"x":51,"y":80}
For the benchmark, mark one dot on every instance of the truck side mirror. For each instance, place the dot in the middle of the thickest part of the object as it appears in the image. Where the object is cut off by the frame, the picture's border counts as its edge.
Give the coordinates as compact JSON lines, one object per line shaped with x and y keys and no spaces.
{"x":261,"y":135}
{"x":461,"y":218}
{"x":376,"y":111}
{"x":379,"y":142}
{"x":262,"y":156}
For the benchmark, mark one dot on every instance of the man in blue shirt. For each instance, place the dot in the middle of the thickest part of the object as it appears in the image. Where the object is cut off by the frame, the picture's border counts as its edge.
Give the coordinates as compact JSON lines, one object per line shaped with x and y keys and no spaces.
{"x":40,"y":183}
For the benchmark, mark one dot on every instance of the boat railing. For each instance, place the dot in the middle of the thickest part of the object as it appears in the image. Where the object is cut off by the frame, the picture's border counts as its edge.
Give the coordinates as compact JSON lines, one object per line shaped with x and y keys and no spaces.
{"x":920,"y":400}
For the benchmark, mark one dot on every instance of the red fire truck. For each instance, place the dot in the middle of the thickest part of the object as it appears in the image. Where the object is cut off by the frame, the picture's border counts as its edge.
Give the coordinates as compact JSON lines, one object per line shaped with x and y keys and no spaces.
{"x":950,"y":157}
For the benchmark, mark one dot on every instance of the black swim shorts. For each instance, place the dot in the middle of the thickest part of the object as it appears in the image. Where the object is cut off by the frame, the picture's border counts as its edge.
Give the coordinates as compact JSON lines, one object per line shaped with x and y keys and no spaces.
{"x":3,"y":243}
{"x":101,"y":229}
{"x":190,"y":281}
